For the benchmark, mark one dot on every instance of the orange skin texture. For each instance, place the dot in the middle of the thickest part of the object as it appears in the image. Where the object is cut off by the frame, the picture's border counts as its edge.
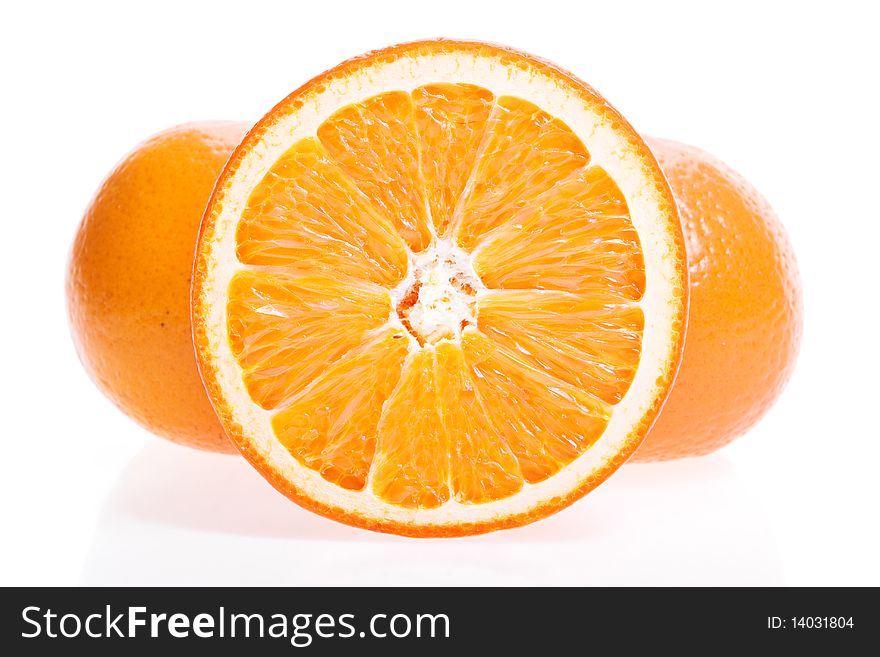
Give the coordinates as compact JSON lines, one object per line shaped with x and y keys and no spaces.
{"x":746,"y":313}
{"x":128,"y":281}
{"x":352,"y":517}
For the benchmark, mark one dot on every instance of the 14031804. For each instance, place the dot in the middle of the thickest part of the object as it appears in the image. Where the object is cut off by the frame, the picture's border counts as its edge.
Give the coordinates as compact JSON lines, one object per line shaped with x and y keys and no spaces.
{"x":809,"y":622}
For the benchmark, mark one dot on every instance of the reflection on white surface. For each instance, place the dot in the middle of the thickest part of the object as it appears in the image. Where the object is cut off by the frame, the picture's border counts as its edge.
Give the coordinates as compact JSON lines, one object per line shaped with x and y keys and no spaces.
{"x":178,"y":516}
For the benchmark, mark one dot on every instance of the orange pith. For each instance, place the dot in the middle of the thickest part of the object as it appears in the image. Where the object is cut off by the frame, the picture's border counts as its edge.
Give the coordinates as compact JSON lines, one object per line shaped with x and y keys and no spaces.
{"x":423,"y":408}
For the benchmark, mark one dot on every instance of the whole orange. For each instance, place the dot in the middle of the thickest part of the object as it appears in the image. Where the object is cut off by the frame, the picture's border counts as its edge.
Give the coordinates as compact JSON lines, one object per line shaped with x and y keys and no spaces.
{"x":129,"y":276}
{"x":745,"y":317}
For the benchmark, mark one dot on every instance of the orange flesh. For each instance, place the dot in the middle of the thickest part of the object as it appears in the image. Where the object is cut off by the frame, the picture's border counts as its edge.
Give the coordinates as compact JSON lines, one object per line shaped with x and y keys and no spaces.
{"x":547,"y":335}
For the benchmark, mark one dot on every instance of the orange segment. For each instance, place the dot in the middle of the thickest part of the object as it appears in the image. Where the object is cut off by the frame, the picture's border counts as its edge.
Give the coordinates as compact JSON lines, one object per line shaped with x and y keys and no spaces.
{"x":526,"y":152}
{"x":577,"y":236}
{"x":482,"y":466}
{"x":331,"y":427}
{"x":285,"y":331}
{"x":451,"y":119}
{"x":411,"y":468}
{"x":545,"y":422}
{"x":376,"y":144}
{"x":308,"y":217}
{"x":587,"y":343}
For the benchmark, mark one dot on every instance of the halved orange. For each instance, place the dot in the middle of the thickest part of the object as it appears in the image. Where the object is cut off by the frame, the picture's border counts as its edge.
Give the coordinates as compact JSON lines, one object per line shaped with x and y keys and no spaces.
{"x":439,"y":290}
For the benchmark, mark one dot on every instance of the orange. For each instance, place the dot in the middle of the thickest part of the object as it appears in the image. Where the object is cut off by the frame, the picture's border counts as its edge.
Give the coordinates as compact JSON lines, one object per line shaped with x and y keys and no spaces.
{"x":439,"y":290}
{"x":129,"y":278}
{"x":745,"y":318}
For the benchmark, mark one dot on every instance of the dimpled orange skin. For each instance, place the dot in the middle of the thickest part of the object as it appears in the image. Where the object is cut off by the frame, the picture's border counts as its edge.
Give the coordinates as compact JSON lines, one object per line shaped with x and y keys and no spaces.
{"x":128,"y":281}
{"x":745,"y":318}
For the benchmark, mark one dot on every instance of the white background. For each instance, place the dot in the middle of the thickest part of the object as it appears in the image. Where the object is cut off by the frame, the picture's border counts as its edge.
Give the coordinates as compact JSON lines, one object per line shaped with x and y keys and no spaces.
{"x":784,"y":92}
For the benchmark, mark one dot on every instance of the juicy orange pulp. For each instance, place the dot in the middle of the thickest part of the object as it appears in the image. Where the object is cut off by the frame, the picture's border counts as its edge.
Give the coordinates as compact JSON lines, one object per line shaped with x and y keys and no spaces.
{"x":439,"y":296}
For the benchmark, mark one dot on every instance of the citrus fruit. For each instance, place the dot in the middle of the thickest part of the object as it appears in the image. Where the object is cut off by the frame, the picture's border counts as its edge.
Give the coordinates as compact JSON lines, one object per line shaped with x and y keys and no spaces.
{"x":129,"y":279}
{"x":439,"y":290}
{"x":745,"y":316}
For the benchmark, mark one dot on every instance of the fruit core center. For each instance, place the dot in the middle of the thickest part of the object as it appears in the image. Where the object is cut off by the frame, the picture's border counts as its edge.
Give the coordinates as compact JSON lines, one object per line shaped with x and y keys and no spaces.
{"x":438,"y":301}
